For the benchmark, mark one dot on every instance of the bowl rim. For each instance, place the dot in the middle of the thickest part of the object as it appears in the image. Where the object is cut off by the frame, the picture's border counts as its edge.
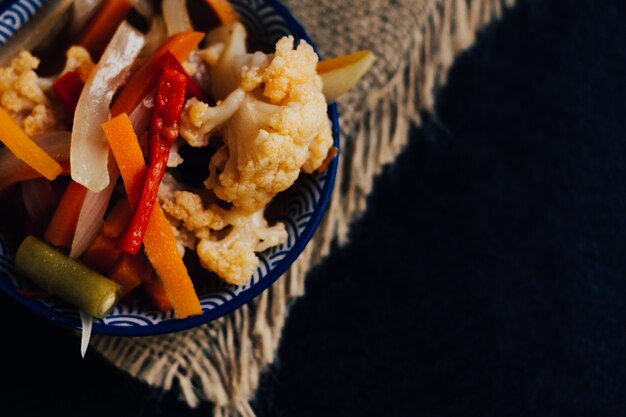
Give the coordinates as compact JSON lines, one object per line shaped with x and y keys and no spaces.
{"x":176,"y":325}
{"x":25,"y":9}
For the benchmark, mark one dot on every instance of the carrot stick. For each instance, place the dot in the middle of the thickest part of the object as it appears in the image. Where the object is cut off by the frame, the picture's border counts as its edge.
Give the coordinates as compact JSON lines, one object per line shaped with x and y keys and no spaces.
{"x":224,"y":11}
{"x":330,"y":64}
{"x":23,"y":147}
{"x":146,"y":78}
{"x":101,"y":255}
{"x":129,"y":271}
{"x":100,"y":29}
{"x":159,"y":241}
{"x":153,"y":289}
{"x":117,"y":218}
{"x":60,"y":231}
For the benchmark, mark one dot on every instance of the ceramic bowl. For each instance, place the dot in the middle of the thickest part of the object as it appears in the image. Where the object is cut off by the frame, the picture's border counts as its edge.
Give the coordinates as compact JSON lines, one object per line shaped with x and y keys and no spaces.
{"x":301,"y":208}
{"x":14,"y":14}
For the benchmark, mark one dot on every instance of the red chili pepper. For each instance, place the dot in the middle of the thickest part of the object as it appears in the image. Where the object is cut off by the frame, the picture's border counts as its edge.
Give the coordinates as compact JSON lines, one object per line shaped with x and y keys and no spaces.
{"x":193,"y":90}
{"x":170,"y":99}
{"x":68,"y":88}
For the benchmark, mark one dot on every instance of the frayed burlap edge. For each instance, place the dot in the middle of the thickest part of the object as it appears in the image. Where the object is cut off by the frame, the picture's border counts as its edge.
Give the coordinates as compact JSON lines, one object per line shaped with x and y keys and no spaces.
{"x":223,"y":361}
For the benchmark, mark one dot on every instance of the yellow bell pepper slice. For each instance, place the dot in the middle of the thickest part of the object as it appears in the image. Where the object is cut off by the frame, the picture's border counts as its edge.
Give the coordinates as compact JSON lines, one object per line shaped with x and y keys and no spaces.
{"x":340,"y":74}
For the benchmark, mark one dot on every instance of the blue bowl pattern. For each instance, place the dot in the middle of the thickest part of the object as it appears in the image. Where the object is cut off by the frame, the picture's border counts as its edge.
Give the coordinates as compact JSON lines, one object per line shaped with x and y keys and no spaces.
{"x":14,"y":14}
{"x":301,"y":209}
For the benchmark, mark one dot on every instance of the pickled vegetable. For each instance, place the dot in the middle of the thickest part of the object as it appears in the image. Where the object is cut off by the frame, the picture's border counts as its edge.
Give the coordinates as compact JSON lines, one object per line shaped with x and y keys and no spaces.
{"x":59,"y":275}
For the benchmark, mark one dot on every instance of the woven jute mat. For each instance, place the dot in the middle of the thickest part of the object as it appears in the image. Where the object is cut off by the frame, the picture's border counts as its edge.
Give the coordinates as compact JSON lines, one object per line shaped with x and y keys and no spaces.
{"x":415,"y":42}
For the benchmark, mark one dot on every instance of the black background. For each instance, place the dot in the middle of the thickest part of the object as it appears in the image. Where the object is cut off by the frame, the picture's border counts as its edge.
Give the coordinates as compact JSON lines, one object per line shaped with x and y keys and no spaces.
{"x":487,"y":277}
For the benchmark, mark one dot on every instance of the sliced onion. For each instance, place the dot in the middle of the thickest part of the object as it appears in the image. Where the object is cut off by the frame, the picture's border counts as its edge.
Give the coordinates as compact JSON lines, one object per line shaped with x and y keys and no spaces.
{"x":37,"y":31}
{"x":91,"y":215}
{"x":90,"y":150}
{"x":86,"y":323}
{"x":13,"y":170}
{"x":82,"y":12}
{"x":140,"y":116}
{"x":176,"y":16}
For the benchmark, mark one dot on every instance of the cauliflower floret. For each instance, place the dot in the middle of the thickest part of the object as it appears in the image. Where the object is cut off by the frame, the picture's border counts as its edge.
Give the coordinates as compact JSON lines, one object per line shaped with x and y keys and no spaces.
{"x":290,"y":70}
{"x":19,"y":89}
{"x":227,"y":239}
{"x":175,"y":159}
{"x":252,"y":70}
{"x":184,"y":239}
{"x":279,"y":128}
{"x":233,"y":257}
{"x":27,"y":86}
{"x":199,"y":119}
{"x":78,"y":59}
{"x":14,"y":102}
{"x":168,"y":187}
{"x":41,"y":119}
{"x":24,"y":62}
{"x":232,"y":260}
{"x":266,"y":146}
{"x":22,"y":95}
{"x":188,"y":208}
{"x":273,"y":123}
{"x":23,"y":92}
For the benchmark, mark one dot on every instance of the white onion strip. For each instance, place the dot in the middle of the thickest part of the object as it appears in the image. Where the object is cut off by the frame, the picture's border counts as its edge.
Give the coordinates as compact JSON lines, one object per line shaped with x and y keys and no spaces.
{"x":140,"y":116}
{"x":91,"y":217}
{"x":90,"y":150}
{"x":176,"y":17}
{"x":86,"y":323}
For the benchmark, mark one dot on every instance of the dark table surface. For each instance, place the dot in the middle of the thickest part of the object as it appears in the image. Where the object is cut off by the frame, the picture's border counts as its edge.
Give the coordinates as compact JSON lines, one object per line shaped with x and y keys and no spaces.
{"x":488,"y":276}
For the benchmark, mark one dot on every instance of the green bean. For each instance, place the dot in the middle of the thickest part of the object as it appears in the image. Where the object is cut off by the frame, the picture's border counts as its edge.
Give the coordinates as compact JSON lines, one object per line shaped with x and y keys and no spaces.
{"x":62,"y":276}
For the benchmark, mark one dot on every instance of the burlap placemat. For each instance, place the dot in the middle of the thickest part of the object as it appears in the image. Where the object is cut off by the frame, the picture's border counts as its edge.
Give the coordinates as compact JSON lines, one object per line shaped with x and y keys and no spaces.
{"x":415,"y":42}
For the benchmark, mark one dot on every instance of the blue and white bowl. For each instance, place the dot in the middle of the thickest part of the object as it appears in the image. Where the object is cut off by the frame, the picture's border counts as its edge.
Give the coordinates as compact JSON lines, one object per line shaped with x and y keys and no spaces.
{"x":301,"y":208}
{"x":14,"y":14}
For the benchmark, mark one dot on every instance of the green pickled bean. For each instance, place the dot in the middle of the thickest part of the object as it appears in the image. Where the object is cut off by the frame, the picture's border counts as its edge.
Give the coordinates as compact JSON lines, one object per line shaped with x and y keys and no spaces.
{"x":62,"y":276}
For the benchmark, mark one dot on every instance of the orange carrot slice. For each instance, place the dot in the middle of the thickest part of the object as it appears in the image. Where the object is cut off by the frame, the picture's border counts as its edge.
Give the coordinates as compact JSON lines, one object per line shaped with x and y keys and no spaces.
{"x":224,"y":11}
{"x":343,"y":60}
{"x":153,"y":289}
{"x":146,"y":78}
{"x":159,"y":241}
{"x":23,"y":147}
{"x":101,"y":255}
{"x":129,"y":271}
{"x":117,"y":218}
{"x":100,"y":29}
{"x":60,"y":231}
